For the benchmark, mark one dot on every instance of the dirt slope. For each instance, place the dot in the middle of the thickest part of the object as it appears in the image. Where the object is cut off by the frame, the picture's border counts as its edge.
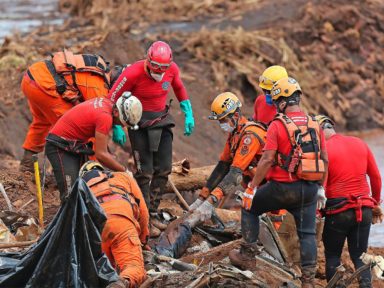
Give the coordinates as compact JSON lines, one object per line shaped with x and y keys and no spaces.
{"x":332,"y":48}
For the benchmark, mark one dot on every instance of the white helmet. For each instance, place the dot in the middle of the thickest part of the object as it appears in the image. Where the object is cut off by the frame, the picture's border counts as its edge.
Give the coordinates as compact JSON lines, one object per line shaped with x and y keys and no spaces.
{"x":130,"y":109}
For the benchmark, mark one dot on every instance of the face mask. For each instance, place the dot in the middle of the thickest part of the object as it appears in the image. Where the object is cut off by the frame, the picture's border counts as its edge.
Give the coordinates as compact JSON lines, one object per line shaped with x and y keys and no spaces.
{"x":268,"y":99}
{"x":226,"y":127}
{"x":157,"y":77}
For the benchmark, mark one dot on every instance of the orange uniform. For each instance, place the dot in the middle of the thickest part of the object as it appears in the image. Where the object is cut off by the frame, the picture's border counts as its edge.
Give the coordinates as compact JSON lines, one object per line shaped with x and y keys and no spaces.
{"x":126,"y":228}
{"x":243,"y":147}
{"x":242,"y":151}
{"x":47,"y":105}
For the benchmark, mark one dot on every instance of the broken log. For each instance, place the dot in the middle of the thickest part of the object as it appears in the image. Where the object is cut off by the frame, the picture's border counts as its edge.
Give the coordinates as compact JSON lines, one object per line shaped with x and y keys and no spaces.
{"x":195,"y":179}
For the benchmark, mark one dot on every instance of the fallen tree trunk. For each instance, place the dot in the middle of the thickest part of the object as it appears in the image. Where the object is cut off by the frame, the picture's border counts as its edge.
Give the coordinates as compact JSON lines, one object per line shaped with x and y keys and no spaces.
{"x":195,"y":179}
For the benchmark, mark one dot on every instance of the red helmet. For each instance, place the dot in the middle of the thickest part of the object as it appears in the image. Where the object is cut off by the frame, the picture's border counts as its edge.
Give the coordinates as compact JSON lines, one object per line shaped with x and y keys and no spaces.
{"x":159,"y":57}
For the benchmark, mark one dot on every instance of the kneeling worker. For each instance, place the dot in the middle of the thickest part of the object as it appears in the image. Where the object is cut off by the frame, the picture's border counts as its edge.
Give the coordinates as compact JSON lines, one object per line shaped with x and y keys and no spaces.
{"x":66,"y":145}
{"x":126,"y":228}
{"x":239,"y":158}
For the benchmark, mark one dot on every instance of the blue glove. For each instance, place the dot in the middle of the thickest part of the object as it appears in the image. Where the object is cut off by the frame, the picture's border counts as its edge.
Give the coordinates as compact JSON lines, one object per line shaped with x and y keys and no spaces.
{"x":189,"y":123}
{"x":119,"y":135}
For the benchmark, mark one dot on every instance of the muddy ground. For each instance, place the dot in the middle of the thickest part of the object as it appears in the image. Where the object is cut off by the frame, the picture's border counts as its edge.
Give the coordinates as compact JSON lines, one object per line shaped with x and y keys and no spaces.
{"x":334,"y":49}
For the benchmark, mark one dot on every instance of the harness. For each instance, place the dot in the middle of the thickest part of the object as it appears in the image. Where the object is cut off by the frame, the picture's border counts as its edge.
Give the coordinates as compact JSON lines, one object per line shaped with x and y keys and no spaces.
{"x":237,"y":136}
{"x":304,"y":158}
{"x":66,"y":63}
{"x":338,"y":205}
{"x":106,"y":188}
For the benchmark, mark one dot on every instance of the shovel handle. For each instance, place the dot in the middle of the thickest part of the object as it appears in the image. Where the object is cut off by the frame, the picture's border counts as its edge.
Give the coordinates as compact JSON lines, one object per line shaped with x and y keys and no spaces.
{"x":38,"y":190}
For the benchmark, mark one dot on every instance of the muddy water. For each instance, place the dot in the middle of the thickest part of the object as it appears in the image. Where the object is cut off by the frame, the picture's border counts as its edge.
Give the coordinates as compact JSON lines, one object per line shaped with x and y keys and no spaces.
{"x":375,"y":140}
{"x":23,"y":15}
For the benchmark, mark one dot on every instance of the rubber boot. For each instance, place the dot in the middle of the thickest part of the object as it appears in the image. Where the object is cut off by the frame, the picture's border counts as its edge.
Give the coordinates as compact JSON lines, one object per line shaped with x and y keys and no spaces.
{"x":26,"y":163}
{"x":308,"y":276}
{"x":244,"y":258}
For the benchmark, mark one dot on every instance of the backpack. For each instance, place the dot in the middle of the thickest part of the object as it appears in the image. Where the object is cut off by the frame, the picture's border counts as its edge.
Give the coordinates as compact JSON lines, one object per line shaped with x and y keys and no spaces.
{"x":304,"y":158}
{"x":57,"y":76}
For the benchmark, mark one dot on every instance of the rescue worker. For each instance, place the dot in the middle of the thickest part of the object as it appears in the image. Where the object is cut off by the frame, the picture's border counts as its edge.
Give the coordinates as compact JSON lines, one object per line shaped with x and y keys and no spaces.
{"x":350,"y":208}
{"x":264,"y":110}
{"x":66,"y":146}
{"x":294,"y":162}
{"x":239,"y":158}
{"x":150,"y":81}
{"x":126,"y":229}
{"x":54,"y":86}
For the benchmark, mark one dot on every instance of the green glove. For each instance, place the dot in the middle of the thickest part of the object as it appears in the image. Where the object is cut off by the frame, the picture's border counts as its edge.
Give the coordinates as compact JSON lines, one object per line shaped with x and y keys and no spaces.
{"x":189,"y":123}
{"x":119,"y":135}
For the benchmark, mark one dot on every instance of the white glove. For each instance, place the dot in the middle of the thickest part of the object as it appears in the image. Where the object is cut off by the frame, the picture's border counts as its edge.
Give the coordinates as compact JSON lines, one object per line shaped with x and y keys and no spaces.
{"x":205,"y":210}
{"x":378,"y":269}
{"x":321,"y":199}
{"x":195,"y":204}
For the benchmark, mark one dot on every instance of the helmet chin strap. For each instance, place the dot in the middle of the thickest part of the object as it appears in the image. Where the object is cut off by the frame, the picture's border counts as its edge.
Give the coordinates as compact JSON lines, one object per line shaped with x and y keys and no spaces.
{"x":235,"y":122}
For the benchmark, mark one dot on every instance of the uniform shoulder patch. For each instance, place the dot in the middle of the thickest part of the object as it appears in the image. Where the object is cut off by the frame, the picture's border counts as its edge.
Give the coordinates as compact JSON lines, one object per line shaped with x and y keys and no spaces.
{"x":247,"y":140}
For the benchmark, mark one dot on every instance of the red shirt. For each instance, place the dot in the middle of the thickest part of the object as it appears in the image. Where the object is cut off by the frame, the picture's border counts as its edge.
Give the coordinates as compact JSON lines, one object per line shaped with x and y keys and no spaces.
{"x":82,"y":121}
{"x":152,"y":94}
{"x":278,"y":140}
{"x":350,"y":160}
{"x":262,"y":111}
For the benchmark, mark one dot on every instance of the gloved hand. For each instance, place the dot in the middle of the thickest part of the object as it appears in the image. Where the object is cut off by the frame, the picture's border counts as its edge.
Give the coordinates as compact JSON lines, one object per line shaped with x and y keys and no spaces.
{"x":119,"y":135}
{"x":196,"y":204}
{"x":205,"y":210}
{"x":248,"y":195}
{"x":189,"y":123}
{"x":321,"y":199}
{"x":378,"y":269}
{"x":377,"y":215}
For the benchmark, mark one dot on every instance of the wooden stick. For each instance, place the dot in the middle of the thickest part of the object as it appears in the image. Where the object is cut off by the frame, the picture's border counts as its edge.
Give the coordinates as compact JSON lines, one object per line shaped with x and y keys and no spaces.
{"x":25,"y":205}
{"x":17,"y":244}
{"x":9,"y":204}
{"x":182,"y":200}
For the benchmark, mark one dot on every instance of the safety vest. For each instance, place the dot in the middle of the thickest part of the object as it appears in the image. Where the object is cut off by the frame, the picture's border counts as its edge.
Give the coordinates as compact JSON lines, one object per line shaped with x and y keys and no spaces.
{"x":237,"y":136}
{"x":57,"y":76}
{"x":304,"y":158}
{"x":106,"y":187}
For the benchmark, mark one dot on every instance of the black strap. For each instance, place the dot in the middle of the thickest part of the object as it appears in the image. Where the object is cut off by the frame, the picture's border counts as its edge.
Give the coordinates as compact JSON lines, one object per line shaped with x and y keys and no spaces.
{"x":30,"y":75}
{"x":61,"y":84}
{"x":152,"y":122}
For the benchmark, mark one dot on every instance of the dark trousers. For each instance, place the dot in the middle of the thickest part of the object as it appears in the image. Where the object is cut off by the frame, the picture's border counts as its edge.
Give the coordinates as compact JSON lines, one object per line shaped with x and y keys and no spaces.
{"x":66,"y":167}
{"x":153,"y":168}
{"x":339,"y":227}
{"x":300,"y":199}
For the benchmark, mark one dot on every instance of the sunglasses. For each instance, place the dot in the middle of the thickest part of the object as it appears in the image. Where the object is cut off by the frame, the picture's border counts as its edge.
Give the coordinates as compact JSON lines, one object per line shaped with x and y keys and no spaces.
{"x":158,"y":66}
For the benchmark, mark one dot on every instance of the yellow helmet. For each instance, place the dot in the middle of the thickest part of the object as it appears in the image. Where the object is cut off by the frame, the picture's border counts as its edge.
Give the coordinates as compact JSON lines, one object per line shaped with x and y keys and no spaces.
{"x":271,"y":75}
{"x":322,"y":118}
{"x":284,"y":88}
{"x":88,"y":166}
{"x":224,"y":104}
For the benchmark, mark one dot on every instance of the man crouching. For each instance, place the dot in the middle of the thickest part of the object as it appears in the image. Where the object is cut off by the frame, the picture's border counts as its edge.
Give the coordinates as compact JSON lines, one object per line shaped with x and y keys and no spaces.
{"x":126,"y":229}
